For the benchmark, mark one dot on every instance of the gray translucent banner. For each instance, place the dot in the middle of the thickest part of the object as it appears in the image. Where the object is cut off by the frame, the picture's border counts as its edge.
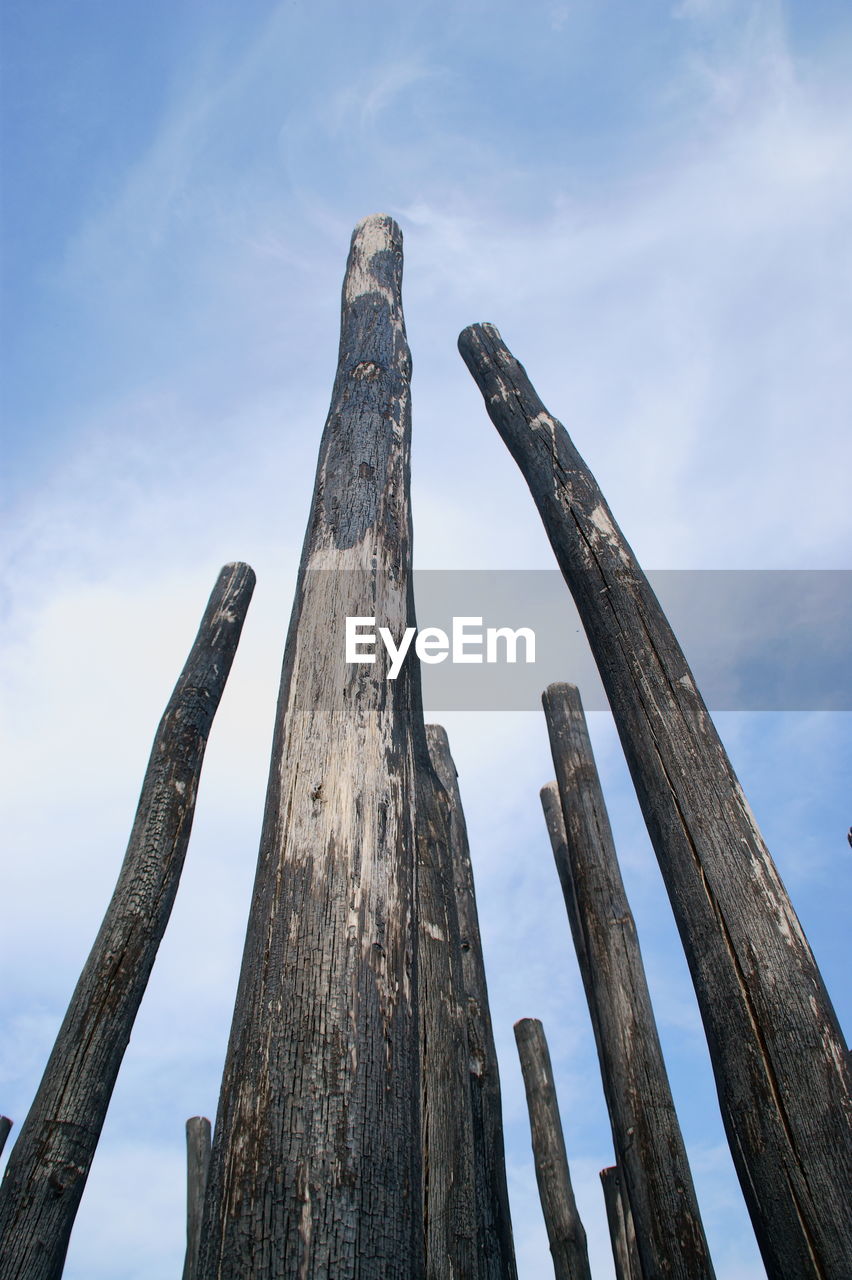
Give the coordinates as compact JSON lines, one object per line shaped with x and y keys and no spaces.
{"x":756,"y":640}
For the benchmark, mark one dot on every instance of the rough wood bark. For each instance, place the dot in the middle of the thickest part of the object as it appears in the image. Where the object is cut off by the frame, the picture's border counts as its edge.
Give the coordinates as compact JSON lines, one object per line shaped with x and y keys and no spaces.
{"x":5,"y":1126}
{"x":449,"y":1206}
{"x":50,"y":1161}
{"x":496,"y":1253}
{"x":315,"y":1169}
{"x":197,"y":1163}
{"x":646,"y":1135}
{"x":564,"y":1229}
{"x":778,"y":1053}
{"x":622,"y":1231}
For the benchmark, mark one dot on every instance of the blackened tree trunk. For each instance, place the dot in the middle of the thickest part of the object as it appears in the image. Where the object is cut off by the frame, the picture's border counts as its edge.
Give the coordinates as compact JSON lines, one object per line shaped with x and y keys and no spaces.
{"x":646,"y":1135}
{"x":564,"y":1229}
{"x":315,"y":1169}
{"x":50,"y":1161}
{"x":622,"y":1232}
{"x":778,"y":1054}
{"x":198,"y":1141}
{"x":5,"y":1126}
{"x":495,"y":1248}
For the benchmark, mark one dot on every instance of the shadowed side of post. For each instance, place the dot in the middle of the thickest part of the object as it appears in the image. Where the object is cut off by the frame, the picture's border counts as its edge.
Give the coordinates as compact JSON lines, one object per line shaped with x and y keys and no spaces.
{"x":779,"y":1057}
{"x":50,"y":1161}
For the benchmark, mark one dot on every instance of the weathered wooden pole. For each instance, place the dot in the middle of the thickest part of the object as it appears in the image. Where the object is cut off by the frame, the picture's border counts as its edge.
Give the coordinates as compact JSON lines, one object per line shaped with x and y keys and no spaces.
{"x":778,"y":1053}
{"x":315,"y":1168}
{"x":50,"y":1161}
{"x":564,"y":1229}
{"x":646,"y":1134}
{"x":449,"y":1203}
{"x":496,"y":1253}
{"x":622,"y":1231}
{"x":198,"y":1140}
{"x":5,"y":1126}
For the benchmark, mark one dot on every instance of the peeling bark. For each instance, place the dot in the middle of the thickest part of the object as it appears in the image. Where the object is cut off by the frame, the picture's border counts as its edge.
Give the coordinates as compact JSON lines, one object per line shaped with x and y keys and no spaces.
{"x":778,"y":1054}
{"x":50,"y":1162}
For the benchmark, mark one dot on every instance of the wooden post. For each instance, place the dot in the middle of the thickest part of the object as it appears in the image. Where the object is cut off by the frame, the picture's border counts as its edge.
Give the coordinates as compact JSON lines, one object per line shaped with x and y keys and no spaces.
{"x":646,"y":1135}
{"x":778,"y":1053}
{"x":449,"y":1206}
{"x":564,"y":1228}
{"x":50,"y":1161}
{"x":197,"y":1164}
{"x":315,"y":1168}
{"x":5,"y":1126}
{"x":495,"y":1248}
{"x":622,"y":1232}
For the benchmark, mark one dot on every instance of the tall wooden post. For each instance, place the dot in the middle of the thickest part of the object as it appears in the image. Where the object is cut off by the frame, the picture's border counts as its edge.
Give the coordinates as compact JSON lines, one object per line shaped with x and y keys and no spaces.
{"x":449,"y":1207}
{"x":198,"y":1141}
{"x":778,"y":1053}
{"x":564,"y":1228}
{"x":50,"y":1161}
{"x":5,"y":1126}
{"x":622,"y":1232}
{"x":645,"y":1131}
{"x":315,"y":1169}
{"x":495,"y":1248}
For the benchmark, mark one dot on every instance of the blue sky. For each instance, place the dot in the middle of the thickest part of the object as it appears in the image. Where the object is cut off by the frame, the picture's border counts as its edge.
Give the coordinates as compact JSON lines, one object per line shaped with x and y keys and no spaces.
{"x":652,"y":201}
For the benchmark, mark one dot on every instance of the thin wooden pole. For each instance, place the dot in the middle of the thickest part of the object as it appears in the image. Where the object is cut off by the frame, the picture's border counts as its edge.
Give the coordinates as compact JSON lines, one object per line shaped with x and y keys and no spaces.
{"x":449,"y":1205}
{"x":50,"y":1161}
{"x":778,"y":1053}
{"x":496,"y":1253}
{"x":564,"y":1229}
{"x":622,"y":1232}
{"x":198,"y":1140}
{"x":5,"y":1126}
{"x":315,"y":1168}
{"x":646,"y":1135}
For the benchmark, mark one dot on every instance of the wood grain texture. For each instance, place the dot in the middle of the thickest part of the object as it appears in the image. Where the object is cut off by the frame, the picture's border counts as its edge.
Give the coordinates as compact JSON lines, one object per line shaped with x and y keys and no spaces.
{"x":565,"y":1231}
{"x":50,"y":1161}
{"x":778,"y":1054}
{"x":495,"y":1248}
{"x":646,"y":1134}
{"x":449,"y":1206}
{"x":198,"y":1142}
{"x":315,"y":1169}
{"x":622,"y":1232}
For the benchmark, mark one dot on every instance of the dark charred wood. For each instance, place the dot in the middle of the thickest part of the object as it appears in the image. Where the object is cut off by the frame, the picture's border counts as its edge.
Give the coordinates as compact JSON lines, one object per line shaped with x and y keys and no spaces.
{"x":622,"y":1232}
{"x":50,"y":1161}
{"x":495,"y":1248}
{"x":779,"y":1057}
{"x":646,"y":1134}
{"x":565,"y":1231}
{"x":315,"y":1169}
{"x":197,"y":1163}
{"x":5,"y":1126}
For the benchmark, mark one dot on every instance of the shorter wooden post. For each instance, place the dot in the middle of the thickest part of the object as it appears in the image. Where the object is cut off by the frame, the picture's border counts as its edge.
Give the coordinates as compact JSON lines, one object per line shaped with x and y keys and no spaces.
{"x":564,"y":1228}
{"x":198,"y":1141}
{"x":622,"y":1233}
{"x":5,"y":1126}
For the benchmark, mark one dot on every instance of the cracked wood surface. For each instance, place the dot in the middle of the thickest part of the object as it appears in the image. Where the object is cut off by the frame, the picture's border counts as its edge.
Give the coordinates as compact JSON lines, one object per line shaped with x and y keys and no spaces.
{"x":778,"y":1054}
{"x":646,"y":1135}
{"x":495,"y":1258}
{"x":565,"y":1230}
{"x":198,"y":1141}
{"x":50,"y":1162}
{"x":315,"y":1169}
{"x":622,"y":1232}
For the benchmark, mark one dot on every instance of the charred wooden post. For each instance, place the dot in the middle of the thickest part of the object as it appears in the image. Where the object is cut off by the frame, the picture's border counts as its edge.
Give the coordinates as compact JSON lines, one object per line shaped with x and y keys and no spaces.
{"x":646,"y":1134}
{"x":622,"y":1232}
{"x":197,"y":1164}
{"x":778,"y":1053}
{"x":496,"y":1253}
{"x":315,"y":1168}
{"x":564,"y":1229}
{"x":50,"y":1161}
{"x":5,"y":1126}
{"x":449,"y":1206}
